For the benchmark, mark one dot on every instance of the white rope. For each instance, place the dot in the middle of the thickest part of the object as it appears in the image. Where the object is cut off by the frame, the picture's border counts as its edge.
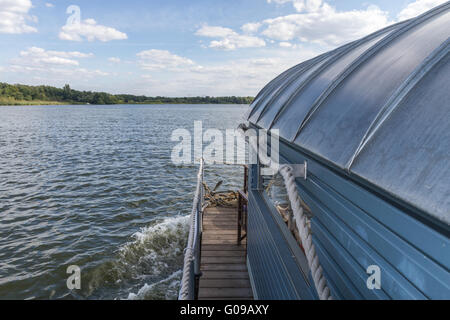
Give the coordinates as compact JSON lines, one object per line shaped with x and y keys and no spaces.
{"x":189,"y":253}
{"x":304,"y":231}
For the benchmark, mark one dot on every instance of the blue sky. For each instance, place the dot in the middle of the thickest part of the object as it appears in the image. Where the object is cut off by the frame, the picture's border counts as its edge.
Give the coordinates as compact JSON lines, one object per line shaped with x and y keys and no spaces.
{"x":179,"y":47}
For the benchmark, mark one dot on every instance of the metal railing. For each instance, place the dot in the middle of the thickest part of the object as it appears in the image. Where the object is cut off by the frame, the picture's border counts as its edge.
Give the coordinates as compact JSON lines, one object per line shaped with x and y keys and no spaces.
{"x":192,"y":255}
{"x":243,"y":209}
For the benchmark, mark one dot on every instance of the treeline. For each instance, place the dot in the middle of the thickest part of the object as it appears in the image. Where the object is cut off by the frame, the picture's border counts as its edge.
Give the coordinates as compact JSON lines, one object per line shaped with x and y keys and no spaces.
{"x":21,"y":94}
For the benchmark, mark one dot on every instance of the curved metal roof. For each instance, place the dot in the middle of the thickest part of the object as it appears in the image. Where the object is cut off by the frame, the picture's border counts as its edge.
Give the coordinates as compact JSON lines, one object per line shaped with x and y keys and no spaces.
{"x":377,"y":108}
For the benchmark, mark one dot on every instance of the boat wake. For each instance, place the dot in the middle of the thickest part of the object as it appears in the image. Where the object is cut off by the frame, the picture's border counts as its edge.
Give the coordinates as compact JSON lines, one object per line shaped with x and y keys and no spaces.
{"x":165,"y":289}
{"x":150,"y":264}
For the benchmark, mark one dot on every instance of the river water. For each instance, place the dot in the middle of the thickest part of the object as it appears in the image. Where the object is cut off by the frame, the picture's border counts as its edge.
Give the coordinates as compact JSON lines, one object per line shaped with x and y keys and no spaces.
{"x":94,"y":186}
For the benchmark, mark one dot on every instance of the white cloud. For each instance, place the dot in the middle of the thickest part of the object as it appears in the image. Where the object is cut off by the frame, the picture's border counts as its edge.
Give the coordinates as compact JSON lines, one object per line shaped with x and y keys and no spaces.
{"x":214,"y":32}
{"x":251,"y":28}
{"x":284,"y":44}
{"x":90,"y":30}
{"x":229,"y":39}
{"x":301,"y":5}
{"x":49,"y":5}
{"x":418,"y":7}
{"x":14,"y":16}
{"x":318,"y":22}
{"x":232,"y":77}
{"x":38,"y":57}
{"x":52,"y":65}
{"x":161,"y":59}
{"x":114,"y":60}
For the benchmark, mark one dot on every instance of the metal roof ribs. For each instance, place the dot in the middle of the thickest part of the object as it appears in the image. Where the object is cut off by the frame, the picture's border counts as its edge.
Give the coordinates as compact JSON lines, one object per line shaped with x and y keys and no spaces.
{"x":366,"y":56}
{"x":396,"y":99}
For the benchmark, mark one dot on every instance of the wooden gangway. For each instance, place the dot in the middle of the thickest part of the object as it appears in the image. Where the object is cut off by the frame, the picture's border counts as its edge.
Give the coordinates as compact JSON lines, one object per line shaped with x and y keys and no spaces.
{"x":223,"y":259}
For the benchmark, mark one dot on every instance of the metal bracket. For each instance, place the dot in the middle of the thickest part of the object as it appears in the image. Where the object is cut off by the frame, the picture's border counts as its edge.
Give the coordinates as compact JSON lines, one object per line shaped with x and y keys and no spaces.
{"x":300,"y":170}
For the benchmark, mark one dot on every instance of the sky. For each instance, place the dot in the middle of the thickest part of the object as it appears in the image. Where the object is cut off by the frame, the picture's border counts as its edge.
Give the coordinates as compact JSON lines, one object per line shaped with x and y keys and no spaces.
{"x":179,"y":47}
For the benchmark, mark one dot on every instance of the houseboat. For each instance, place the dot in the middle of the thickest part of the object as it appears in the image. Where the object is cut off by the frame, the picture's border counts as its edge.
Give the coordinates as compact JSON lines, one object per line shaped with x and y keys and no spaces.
{"x":364,"y":147}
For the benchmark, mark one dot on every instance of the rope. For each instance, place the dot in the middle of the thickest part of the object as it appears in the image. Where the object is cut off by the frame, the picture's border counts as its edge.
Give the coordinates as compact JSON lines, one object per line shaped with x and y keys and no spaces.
{"x":305,"y":234}
{"x":301,"y":220}
{"x":190,"y":251}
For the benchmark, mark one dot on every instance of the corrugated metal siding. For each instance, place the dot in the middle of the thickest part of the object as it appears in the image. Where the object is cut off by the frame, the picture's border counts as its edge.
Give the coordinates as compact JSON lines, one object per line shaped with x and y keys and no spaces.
{"x":275,"y":273}
{"x":354,"y":229}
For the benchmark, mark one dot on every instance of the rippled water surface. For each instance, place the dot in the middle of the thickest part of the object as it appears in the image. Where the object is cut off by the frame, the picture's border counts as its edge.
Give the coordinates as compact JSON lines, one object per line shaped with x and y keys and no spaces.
{"x":94,"y":186}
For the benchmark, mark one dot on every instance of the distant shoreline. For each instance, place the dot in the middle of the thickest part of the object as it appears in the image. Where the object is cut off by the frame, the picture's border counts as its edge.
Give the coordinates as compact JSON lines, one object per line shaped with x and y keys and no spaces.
{"x":56,"y":103}
{"x":23,"y":95}
{"x":32,"y":103}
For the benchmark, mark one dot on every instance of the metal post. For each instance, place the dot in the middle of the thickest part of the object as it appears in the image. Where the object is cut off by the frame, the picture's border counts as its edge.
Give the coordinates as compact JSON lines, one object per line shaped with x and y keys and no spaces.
{"x":239,"y":219}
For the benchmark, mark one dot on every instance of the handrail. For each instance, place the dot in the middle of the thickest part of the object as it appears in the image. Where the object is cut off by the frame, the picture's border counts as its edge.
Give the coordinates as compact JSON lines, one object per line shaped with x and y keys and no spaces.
{"x":243,"y":194}
{"x":192,"y":255}
{"x":243,"y":209}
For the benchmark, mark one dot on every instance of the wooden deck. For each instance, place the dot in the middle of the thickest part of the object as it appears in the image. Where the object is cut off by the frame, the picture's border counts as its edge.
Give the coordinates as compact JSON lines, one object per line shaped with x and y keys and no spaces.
{"x":223,"y":261}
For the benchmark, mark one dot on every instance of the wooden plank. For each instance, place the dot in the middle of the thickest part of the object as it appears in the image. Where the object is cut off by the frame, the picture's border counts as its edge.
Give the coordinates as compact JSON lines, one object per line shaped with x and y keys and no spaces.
{"x":225,"y":283}
{"x":223,"y":260}
{"x":224,"y":267}
{"x":221,"y":247}
{"x":220,"y":210}
{"x":220,"y":232}
{"x":220,"y":214}
{"x":225,"y":292}
{"x":218,"y":227}
{"x":217,"y":236}
{"x":216,"y":253}
{"x":225,"y":275}
{"x":219,"y":220}
{"x":224,"y":226}
{"x":220,"y":241}
{"x":220,"y":224}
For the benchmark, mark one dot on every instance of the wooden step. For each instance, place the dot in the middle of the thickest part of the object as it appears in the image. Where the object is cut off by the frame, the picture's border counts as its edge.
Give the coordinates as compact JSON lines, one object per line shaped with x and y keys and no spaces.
{"x":222,"y":232}
{"x":224,"y":275}
{"x":218,"y":236}
{"x":224,"y":253}
{"x":221,"y":241}
{"x":225,"y":283}
{"x":223,"y":247}
{"x":223,"y":260}
{"x":224,"y":267}
{"x":225,"y":293}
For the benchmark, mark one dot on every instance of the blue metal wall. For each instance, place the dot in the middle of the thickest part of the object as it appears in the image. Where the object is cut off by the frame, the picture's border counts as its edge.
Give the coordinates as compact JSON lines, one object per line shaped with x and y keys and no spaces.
{"x":353,"y":229}
{"x":275,"y":261}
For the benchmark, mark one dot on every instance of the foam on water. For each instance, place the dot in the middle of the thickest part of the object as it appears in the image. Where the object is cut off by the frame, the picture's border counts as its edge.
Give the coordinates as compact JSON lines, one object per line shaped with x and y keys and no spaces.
{"x":166,"y":289}
{"x":154,"y":254}
{"x":152,"y":257}
{"x":155,"y":246}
